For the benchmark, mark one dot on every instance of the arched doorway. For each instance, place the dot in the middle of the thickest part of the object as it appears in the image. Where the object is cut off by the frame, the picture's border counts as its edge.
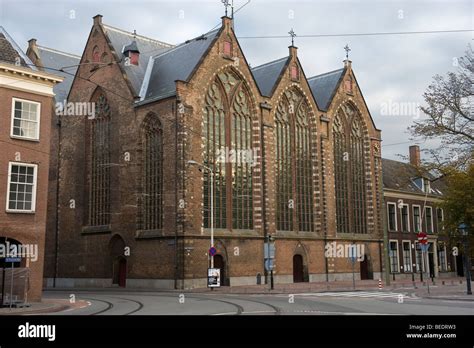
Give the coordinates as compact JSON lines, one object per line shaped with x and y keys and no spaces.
{"x":119,"y":261}
{"x":298,"y":269}
{"x":219,"y":262}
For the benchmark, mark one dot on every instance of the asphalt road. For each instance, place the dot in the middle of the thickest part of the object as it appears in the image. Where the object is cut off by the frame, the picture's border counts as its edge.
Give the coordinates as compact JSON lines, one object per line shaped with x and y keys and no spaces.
{"x":329,"y":303}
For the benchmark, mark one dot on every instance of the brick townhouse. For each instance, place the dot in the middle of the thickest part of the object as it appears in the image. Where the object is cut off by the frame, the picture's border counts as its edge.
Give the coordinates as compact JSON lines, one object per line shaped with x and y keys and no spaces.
{"x":26,"y":108}
{"x":412,"y":198}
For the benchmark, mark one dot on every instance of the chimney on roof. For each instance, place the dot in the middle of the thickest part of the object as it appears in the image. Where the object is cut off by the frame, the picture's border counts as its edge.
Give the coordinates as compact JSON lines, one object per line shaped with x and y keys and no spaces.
{"x":33,"y":53}
{"x":415,"y":155}
{"x":97,"y":19}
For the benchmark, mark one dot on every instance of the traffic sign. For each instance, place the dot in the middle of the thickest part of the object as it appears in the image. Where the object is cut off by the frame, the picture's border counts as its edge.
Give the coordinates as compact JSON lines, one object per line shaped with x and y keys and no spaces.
{"x":212,"y":251}
{"x":425,"y":247}
{"x":269,"y":264}
{"x":422,"y":237}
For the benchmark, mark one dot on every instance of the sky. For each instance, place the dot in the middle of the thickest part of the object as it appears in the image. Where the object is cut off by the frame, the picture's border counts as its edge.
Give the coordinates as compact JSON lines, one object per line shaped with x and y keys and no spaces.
{"x":393,"y":71}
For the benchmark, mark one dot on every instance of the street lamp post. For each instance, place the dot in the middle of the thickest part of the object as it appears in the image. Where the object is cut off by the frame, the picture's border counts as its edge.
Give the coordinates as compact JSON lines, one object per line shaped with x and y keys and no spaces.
{"x":202,"y":166}
{"x":467,"y":262}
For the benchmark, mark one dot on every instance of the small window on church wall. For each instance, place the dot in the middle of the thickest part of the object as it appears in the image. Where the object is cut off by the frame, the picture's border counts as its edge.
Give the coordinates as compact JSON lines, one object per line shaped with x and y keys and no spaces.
{"x":294,"y":73}
{"x":227,"y":48}
{"x":348,"y":85}
{"x":95,"y":55}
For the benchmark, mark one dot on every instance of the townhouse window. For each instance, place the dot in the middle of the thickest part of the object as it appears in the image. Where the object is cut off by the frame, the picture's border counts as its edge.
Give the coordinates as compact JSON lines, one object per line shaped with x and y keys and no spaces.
{"x":392,"y":216}
{"x":440,"y":218}
{"x":405,"y":218}
{"x":227,"y":144}
{"x":294,"y":174}
{"x":21,"y":194}
{"x":416,"y":219}
{"x":429,"y":219}
{"x":393,"y":253}
{"x":25,"y":119}
{"x":349,"y":142}
{"x":442,"y":260}
{"x":407,"y":263}
{"x":420,"y":266}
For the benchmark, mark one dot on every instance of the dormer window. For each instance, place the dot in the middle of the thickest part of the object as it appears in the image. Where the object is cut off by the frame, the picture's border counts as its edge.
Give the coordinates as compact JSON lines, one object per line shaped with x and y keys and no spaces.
{"x":294,"y":73}
{"x":132,"y":54}
{"x":423,"y":184}
{"x":427,"y":186}
{"x":227,"y":48}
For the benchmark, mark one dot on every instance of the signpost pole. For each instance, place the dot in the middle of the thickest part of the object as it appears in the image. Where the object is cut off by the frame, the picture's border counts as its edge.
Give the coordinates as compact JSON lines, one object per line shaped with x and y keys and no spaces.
{"x":11,"y":290}
{"x":3,"y":285}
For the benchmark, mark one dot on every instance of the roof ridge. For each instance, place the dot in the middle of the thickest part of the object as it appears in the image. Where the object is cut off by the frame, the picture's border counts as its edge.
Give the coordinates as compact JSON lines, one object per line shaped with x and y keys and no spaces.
{"x":137,"y":36}
{"x":324,"y":74}
{"x":174,"y":48}
{"x":270,"y":63}
{"x":18,"y":49}
{"x":72,"y":55}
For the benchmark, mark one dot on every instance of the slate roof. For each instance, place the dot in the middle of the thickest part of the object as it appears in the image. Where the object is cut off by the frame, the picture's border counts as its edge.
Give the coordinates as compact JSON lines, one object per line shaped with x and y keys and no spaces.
{"x":53,"y":61}
{"x":177,"y":63}
{"x":324,"y":87}
{"x":10,"y":51}
{"x":267,"y":75}
{"x":399,"y":176}
{"x":147,"y":47}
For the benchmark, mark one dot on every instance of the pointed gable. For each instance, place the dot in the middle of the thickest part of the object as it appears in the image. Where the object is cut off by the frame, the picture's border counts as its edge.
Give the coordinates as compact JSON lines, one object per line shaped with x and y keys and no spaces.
{"x":267,"y":75}
{"x":324,"y":87}
{"x":175,"y":64}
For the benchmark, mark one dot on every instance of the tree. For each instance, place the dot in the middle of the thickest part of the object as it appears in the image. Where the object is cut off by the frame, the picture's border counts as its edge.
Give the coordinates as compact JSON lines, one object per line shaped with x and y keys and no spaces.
{"x":449,"y":106}
{"x":458,"y":203}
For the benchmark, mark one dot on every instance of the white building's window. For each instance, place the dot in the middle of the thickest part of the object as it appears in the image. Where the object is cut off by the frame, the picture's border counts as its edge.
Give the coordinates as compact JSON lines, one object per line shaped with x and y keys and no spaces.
{"x":393,"y":253}
{"x":392,"y":216}
{"x":21,"y":193}
{"x":25,"y":119}
{"x":407,"y":264}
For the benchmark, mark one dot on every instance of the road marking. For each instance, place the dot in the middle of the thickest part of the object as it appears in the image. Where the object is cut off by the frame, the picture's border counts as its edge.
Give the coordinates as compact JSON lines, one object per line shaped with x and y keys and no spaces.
{"x":362,"y":294}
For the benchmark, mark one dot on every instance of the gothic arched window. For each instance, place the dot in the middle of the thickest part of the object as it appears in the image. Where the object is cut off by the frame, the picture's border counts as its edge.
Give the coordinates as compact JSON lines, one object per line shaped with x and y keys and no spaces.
{"x":152,"y":174}
{"x":349,"y":172}
{"x":228,"y":151}
{"x":99,"y":168}
{"x":294,"y":174}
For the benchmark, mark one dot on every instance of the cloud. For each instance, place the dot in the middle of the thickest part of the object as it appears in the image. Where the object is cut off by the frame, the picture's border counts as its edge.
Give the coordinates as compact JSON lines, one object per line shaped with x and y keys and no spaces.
{"x":388,"y":67}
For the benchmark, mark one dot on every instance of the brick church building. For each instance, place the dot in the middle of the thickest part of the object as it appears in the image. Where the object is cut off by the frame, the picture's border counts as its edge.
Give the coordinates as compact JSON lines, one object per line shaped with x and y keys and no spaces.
{"x":292,"y":157}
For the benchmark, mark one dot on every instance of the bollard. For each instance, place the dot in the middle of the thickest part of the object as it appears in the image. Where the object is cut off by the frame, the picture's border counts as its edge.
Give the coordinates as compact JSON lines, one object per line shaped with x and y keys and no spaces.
{"x":380,"y":284}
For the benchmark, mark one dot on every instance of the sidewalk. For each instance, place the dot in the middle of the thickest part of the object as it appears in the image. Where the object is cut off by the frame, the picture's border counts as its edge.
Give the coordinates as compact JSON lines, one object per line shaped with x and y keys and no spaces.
{"x":46,"y":306}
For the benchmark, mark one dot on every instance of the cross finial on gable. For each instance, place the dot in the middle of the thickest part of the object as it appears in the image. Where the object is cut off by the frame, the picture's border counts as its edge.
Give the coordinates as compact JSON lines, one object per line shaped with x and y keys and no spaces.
{"x":293,"y":35}
{"x":227,"y":4}
{"x":347,"y":49}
